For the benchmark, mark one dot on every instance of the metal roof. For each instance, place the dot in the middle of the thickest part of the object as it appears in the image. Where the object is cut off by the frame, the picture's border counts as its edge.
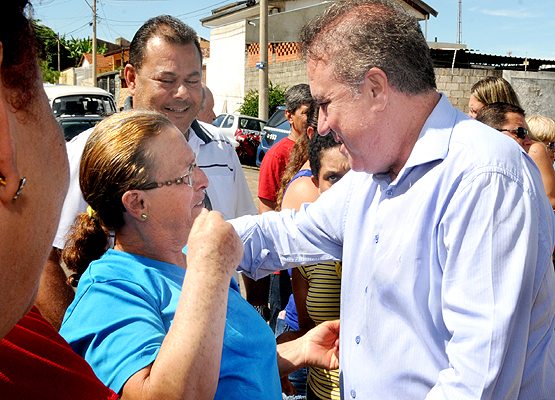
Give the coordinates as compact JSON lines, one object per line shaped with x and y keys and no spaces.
{"x":464,"y":58}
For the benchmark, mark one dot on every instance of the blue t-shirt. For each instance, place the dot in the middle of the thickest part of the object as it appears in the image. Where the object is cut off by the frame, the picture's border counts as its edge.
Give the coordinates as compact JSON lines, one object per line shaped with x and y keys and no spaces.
{"x":123,"y":308}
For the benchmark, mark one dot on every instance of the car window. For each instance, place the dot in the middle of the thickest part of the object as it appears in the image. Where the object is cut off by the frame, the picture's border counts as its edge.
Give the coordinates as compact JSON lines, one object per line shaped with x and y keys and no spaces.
{"x":83,"y":105}
{"x":228,"y":123}
{"x":218,"y":120}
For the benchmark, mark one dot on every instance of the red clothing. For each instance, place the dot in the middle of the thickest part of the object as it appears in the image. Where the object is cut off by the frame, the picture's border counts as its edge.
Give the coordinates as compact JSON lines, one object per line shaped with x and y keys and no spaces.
{"x":37,"y":363}
{"x":272,"y":168}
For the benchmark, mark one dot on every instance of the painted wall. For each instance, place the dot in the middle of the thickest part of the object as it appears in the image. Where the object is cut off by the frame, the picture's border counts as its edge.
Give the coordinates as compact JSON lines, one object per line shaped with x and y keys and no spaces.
{"x":225,"y":74}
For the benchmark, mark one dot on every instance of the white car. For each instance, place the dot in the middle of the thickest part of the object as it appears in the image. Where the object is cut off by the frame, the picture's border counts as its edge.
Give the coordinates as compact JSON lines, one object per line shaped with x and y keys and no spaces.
{"x":232,"y":125}
{"x":78,"y":108}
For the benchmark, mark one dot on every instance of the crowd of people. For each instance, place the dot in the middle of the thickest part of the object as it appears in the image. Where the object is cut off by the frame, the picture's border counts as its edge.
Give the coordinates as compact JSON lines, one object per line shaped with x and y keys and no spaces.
{"x":428,"y":233}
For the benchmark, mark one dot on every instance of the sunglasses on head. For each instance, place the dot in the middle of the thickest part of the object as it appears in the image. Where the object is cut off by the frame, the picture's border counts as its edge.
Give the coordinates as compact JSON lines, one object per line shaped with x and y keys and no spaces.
{"x":520,"y":132}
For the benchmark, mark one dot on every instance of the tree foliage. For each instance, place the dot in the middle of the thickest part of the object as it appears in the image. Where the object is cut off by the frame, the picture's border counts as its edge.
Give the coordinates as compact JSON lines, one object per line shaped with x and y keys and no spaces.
{"x":71,"y":50}
{"x":276,"y":97}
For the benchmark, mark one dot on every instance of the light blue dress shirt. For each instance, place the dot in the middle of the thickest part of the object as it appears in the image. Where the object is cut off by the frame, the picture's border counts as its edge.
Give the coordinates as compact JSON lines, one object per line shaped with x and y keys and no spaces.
{"x":448,"y":286}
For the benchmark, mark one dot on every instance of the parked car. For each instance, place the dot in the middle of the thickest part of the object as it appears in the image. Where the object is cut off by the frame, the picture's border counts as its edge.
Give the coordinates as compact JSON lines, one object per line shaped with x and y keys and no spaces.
{"x":232,"y":125}
{"x":78,"y":108}
{"x":276,"y":129}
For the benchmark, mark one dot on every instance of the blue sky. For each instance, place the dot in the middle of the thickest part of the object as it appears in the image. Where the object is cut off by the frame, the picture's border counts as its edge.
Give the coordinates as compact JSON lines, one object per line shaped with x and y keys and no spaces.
{"x":489,"y":26}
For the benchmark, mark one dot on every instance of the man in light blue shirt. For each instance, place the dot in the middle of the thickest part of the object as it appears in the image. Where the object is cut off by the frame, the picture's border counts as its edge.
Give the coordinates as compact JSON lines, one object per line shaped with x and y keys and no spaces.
{"x":444,"y":229}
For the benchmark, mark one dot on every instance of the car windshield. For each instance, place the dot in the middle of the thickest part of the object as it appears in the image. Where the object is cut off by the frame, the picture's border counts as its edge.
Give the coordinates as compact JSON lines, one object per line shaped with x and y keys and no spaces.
{"x":73,"y":127}
{"x":251,"y":124}
{"x":83,"y":105}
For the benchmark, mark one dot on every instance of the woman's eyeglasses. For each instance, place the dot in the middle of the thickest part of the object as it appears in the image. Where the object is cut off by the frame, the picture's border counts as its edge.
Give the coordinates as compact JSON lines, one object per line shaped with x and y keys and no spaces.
{"x":186,"y":179}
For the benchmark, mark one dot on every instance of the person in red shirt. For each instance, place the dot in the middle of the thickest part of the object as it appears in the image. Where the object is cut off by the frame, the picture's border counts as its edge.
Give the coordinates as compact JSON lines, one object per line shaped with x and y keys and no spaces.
{"x":298,"y":101}
{"x":35,"y":362}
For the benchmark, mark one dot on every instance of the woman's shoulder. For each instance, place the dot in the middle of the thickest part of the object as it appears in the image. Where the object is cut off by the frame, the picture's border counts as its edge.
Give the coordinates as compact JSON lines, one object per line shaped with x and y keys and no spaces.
{"x":301,"y":190}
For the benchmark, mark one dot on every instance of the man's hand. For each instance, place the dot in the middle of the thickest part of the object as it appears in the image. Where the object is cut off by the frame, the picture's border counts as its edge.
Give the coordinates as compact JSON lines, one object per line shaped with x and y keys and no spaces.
{"x":322,"y":346}
{"x":319,"y":347}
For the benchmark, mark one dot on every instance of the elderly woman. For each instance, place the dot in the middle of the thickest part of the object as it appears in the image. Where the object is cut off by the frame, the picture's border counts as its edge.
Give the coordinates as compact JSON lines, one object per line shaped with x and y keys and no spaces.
{"x":152,"y":321}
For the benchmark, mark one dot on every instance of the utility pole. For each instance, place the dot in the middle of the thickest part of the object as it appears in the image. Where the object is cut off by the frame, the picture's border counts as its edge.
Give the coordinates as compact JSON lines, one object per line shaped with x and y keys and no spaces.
{"x":263,"y":64}
{"x":459,"y":29}
{"x":58,"y":37}
{"x":94,"y":43}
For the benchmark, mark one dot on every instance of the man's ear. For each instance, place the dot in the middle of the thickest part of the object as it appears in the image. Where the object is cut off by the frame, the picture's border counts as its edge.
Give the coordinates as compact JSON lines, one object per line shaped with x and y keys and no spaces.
{"x":135,"y":204}
{"x":9,"y":174}
{"x":376,"y":86}
{"x":289,"y":116}
{"x":130,"y":78}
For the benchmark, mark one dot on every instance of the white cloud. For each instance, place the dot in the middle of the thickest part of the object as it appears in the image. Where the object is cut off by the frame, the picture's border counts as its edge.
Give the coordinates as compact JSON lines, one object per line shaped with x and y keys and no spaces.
{"x":510,"y":13}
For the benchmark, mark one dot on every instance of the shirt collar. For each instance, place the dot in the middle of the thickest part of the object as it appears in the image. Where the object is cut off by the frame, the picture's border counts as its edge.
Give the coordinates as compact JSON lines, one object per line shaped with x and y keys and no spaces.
{"x":434,"y":138}
{"x":432,"y":143}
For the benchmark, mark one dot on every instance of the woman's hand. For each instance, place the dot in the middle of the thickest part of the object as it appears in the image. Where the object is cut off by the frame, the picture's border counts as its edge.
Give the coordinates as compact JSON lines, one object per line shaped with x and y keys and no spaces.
{"x":213,"y":244}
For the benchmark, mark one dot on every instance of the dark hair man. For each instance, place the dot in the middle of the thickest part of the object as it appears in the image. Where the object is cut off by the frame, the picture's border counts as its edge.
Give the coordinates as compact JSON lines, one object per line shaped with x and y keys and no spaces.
{"x":297,"y":103}
{"x":447,"y":284}
{"x":164,"y":74}
{"x":508,"y":119}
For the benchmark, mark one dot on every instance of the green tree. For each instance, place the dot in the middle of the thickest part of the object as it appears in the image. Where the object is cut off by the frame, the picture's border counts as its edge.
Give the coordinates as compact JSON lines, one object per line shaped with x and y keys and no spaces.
{"x":77,"y":47}
{"x":276,"y":97}
{"x":48,"y":74}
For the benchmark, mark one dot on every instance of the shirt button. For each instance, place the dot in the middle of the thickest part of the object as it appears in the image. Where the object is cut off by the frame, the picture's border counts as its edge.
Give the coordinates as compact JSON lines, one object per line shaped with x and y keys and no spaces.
{"x":357,"y":339}
{"x":376,"y":238}
{"x":353,"y":393}
{"x":389,"y":193}
{"x":366,"y":289}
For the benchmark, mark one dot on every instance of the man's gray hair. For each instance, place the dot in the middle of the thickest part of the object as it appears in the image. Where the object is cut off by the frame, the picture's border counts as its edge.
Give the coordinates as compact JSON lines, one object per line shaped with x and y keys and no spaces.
{"x":296,"y":96}
{"x":357,"y":35}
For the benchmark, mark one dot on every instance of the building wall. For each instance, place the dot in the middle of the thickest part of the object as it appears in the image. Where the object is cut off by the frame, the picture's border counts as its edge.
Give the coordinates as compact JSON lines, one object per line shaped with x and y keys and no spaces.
{"x":225,"y":74}
{"x":456,"y":83}
{"x":536,"y":91}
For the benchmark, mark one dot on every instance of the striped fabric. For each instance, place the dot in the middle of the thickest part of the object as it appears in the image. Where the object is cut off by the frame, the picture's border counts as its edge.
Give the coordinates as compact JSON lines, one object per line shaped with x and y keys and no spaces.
{"x":322,"y":303}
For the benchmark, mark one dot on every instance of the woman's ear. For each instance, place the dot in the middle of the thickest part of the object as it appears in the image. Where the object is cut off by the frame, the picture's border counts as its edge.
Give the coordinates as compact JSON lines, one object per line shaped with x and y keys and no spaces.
{"x":310,"y":132}
{"x":135,"y":204}
{"x":9,"y":173}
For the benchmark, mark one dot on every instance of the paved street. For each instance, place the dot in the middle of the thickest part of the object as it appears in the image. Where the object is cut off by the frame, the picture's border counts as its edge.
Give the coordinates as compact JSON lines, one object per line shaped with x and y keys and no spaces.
{"x":251,"y":173}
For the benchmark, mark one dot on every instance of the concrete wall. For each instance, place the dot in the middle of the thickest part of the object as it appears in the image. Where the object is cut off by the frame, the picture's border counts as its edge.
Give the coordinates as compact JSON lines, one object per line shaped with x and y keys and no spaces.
{"x":285,"y":73}
{"x":225,"y":75}
{"x":536,"y":91}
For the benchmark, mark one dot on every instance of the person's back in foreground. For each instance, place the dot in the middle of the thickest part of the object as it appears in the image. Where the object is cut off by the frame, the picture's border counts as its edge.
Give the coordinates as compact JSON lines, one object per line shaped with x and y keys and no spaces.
{"x":35,"y":362}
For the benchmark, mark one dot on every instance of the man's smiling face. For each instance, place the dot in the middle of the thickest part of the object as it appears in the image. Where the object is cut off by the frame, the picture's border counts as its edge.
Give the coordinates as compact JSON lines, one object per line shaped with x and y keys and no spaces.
{"x":169,"y":81}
